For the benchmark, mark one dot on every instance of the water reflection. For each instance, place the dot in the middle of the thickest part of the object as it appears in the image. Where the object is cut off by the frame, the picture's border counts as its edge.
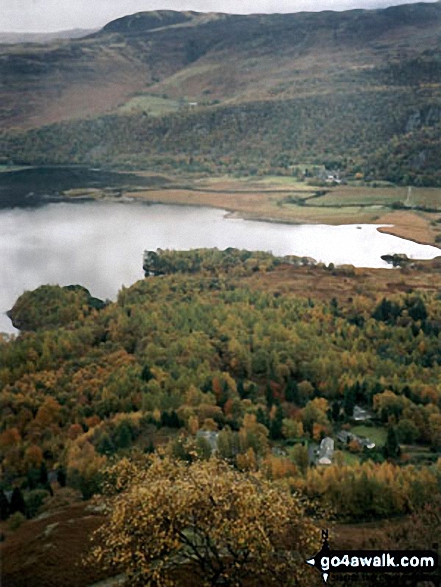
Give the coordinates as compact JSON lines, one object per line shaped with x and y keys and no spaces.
{"x":100,"y":244}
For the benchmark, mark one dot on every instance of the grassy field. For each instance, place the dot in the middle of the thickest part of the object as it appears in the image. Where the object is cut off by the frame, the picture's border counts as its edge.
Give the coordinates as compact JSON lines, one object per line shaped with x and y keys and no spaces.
{"x":374,"y":433}
{"x":384,"y":196}
{"x":350,"y":458}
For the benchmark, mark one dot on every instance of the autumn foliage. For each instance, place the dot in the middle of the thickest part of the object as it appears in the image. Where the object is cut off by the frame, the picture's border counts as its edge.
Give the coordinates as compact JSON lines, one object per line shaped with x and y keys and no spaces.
{"x":225,"y":524}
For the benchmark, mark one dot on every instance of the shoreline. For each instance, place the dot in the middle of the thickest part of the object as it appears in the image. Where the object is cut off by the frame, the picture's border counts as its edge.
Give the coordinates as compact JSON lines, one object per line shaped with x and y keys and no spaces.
{"x":266,"y":200}
{"x":407,"y":225}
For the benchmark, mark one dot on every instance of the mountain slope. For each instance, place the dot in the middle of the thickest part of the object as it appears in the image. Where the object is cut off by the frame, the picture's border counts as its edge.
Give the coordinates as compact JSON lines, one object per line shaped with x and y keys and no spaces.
{"x":296,"y":87}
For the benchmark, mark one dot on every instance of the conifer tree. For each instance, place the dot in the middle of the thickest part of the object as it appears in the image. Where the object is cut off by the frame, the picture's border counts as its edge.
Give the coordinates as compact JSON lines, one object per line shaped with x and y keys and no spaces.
{"x":4,"y":506}
{"x":17,"y":502}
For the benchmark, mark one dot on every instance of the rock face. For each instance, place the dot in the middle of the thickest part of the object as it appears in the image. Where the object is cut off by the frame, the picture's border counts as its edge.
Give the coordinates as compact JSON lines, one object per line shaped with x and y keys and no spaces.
{"x":52,"y":306}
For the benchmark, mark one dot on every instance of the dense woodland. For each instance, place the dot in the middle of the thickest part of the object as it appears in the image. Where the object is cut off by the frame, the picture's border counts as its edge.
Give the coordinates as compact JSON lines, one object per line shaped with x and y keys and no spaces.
{"x":382,"y":134}
{"x":198,"y":345}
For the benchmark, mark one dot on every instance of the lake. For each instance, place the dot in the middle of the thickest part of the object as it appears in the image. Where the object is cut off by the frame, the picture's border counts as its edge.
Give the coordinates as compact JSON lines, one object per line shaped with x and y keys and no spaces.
{"x":100,"y":244}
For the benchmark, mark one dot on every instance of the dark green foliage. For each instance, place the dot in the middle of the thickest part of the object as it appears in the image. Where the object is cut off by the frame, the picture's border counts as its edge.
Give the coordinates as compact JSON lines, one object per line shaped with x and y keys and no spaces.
{"x":146,"y":374}
{"x":334,"y":306}
{"x":150,"y":448}
{"x":4,"y":506}
{"x":387,"y":311}
{"x":51,"y":306}
{"x":105,"y":446}
{"x":123,"y":436}
{"x":269,"y":396}
{"x":263,"y":418}
{"x":88,"y":486}
{"x":259,"y":363}
{"x":392,"y":447}
{"x":241,"y":389}
{"x":34,"y":500}
{"x":33,"y":477}
{"x":291,"y":392}
{"x":170,"y":420}
{"x":407,"y":432}
{"x":277,"y":424}
{"x":168,"y":262}
{"x":17,"y":502}
{"x":416,"y":309}
{"x":335,"y":411}
{"x":43,"y":477}
{"x":349,"y":401}
{"x":61,"y":477}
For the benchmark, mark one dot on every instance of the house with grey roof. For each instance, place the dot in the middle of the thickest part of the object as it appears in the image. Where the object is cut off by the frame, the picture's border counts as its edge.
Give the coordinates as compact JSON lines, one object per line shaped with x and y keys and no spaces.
{"x":345,"y":437}
{"x":360,"y":414}
{"x":325,"y":451}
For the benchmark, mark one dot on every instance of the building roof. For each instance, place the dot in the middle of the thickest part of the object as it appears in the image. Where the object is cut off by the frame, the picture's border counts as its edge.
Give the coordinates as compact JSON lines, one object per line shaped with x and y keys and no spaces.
{"x":326,"y":451}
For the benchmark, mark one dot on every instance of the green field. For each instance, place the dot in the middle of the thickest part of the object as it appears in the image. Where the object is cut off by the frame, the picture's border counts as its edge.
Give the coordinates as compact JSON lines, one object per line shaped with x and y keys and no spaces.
{"x":374,"y":433}
{"x":350,"y":458}
{"x":367,"y":196}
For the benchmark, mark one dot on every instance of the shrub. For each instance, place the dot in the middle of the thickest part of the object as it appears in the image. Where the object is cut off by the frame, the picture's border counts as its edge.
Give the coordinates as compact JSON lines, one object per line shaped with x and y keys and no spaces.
{"x":15,"y":521}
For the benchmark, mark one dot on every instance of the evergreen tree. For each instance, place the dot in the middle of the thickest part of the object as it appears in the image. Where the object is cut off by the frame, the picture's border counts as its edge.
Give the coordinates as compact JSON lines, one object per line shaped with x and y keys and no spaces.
{"x":335,"y":411}
{"x":61,"y":477}
{"x":269,"y":396}
{"x":150,"y":448}
{"x":43,"y":478}
{"x":123,"y":435}
{"x":417,"y":310}
{"x":174,"y":421}
{"x":392,"y":447}
{"x":241,"y":389}
{"x":292,"y":392}
{"x":146,"y":374}
{"x":170,"y":419}
{"x":17,"y":502}
{"x":334,"y":307}
{"x":262,"y":417}
{"x":277,"y":424}
{"x":387,"y":311}
{"x":33,"y":477}
{"x":349,"y":401}
{"x":105,"y":446}
{"x":4,"y":506}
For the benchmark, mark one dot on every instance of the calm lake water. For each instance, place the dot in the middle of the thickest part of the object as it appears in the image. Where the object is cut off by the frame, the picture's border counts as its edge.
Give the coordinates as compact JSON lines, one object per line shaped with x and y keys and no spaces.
{"x":100,"y":244}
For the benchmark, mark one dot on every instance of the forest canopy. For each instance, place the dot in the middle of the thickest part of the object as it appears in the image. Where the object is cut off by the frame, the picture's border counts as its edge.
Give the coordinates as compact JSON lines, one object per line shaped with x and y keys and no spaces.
{"x":221,"y":354}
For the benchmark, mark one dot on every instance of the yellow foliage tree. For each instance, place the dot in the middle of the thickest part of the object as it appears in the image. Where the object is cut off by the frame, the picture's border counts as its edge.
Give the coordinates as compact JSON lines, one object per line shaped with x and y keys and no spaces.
{"x":226,"y":524}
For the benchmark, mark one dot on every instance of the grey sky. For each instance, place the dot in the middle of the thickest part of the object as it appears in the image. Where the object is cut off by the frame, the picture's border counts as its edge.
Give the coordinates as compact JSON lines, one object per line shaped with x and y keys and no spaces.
{"x":57,"y":15}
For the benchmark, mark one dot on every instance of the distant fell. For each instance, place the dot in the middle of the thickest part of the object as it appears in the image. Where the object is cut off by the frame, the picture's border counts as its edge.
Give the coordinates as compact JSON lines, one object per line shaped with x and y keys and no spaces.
{"x":16,"y":38}
{"x":358,"y":90}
